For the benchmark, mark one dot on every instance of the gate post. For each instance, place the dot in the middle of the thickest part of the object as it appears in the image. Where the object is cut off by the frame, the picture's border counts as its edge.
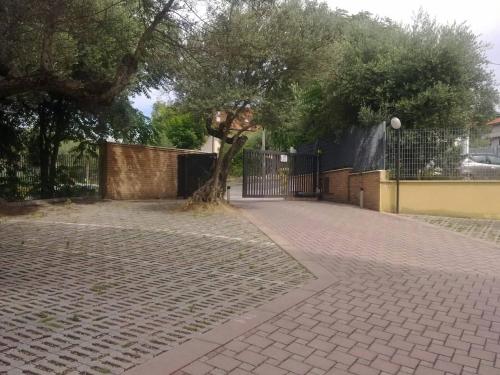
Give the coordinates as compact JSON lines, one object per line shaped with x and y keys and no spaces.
{"x":317,"y":189}
{"x":245,"y":177}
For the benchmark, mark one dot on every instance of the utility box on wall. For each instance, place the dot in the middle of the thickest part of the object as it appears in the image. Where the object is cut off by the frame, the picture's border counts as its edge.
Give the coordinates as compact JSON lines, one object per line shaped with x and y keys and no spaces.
{"x":193,"y":170}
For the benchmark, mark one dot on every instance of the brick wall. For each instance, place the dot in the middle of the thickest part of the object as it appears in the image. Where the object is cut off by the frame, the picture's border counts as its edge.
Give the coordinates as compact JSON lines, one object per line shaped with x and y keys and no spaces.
{"x":338,"y":185}
{"x":369,"y":182}
{"x":345,"y":187}
{"x":138,"y":172}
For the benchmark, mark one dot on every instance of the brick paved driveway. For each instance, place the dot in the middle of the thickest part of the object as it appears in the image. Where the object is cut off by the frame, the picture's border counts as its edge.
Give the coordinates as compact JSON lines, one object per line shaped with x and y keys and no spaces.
{"x":99,"y":288}
{"x":405,"y":298}
{"x":485,"y":229}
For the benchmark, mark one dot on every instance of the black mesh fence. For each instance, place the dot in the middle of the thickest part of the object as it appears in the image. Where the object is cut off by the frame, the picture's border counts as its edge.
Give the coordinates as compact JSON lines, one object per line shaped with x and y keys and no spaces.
{"x":359,"y":148}
{"x":75,"y":176}
{"x":434,"y":153}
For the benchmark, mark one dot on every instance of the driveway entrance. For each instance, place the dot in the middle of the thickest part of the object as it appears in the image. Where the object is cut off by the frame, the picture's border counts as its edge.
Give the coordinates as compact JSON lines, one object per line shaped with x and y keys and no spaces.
{"x":405,"y":298}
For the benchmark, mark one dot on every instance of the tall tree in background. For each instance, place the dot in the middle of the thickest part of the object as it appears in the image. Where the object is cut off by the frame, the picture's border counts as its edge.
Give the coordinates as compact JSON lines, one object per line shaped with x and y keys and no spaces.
{"x":173,"y":126}
{"x":427,"y":74}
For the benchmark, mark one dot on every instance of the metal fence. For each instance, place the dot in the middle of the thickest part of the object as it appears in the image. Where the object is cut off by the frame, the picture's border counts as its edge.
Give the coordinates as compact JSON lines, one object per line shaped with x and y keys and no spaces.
{"x":361,"y":149}
{"x":278,"y":174}
{"x":441,"y":154}
{"x":75,"y":176}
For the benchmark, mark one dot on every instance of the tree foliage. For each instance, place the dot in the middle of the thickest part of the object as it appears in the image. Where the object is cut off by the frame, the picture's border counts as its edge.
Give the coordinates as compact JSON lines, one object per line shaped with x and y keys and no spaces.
{"x":427,"y":74}
{"x":174,"y":127}
{"x":87,"y":51}
{"x":243,"y":64}
{"x":296,"y":67}
{"x":67,"y":66}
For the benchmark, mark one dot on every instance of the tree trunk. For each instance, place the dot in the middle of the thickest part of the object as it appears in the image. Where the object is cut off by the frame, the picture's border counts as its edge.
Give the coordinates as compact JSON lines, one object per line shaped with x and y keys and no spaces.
{"x":43,"y":143}
{"x":53,"y":168}
{"x":213,"y":190}
{"x":60,"y":121}
{"x":52,"y":121}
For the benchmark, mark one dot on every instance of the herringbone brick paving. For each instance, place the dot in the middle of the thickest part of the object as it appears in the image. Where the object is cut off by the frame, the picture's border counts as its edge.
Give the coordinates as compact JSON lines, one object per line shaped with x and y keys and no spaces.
{"x":100,"y":288}
{"x":407,"y":298}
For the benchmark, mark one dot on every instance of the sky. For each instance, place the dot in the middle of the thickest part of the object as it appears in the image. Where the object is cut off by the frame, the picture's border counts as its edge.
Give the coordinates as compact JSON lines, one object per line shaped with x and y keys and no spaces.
{"x":483,"y":17}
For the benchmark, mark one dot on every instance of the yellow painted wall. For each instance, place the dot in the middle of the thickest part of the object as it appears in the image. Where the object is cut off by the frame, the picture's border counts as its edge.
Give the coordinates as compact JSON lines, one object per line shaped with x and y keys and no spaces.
{"x":479,"y":199}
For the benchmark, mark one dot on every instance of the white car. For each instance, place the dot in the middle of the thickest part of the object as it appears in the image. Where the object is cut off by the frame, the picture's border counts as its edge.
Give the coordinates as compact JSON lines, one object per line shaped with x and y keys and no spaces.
{"x":481,"y":166}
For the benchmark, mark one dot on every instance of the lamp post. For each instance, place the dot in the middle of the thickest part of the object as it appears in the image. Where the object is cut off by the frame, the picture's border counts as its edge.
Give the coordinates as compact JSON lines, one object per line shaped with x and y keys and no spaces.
{"x":396,"y":125}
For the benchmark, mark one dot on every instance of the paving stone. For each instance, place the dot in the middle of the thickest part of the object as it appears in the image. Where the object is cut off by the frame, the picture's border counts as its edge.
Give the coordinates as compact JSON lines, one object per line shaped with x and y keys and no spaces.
{"x":385,"y":366}
{"x":299,"y":349}
{"x":360,"y":369}
{"x":110,"y":285}
{"x":197,"y":368}
{"x":422,"y":370}
{"x":488,"y":230}
{"x":223,"y":362}
{"x":266,"y":369}
{"x":341,"y":357}
{"x":465,"y":360}
{"x":297,"y":367}
{"x":417,"y":300}
{"x":276,"y":353}
{"x":251,"y":357}
{"x":320,"y":362}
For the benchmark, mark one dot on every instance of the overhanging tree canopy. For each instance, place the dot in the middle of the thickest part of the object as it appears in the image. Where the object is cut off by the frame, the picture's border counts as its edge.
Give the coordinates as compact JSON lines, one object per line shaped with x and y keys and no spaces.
{"x":85,"y":51}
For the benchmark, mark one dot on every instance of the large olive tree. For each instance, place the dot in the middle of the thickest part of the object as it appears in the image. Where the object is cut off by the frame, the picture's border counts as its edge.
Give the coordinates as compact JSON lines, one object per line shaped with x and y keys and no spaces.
{"x":243,"y":63}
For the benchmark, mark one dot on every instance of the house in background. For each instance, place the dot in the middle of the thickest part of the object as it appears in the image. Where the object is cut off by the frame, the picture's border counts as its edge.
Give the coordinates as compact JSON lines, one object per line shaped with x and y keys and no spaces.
{"x":495,"y":134}
{"x":212,"y":144}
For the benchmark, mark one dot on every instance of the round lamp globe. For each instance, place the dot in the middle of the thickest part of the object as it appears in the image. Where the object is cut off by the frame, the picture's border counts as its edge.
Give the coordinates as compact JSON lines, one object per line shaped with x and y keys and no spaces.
{"x":395,"y":123}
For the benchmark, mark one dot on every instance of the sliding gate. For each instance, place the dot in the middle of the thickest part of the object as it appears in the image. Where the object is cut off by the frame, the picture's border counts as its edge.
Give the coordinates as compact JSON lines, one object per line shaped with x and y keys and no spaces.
{"x":278,"y":174}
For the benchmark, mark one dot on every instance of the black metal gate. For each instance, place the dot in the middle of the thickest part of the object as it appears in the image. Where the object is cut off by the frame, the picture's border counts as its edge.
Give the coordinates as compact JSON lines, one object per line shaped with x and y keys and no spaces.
{"x":278,"y":174}
{"x":193,"y":170}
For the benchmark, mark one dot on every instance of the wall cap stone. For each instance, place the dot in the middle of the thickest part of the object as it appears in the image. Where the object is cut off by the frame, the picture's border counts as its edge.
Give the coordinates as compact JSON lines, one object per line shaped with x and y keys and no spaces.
{"x":172,"y":149}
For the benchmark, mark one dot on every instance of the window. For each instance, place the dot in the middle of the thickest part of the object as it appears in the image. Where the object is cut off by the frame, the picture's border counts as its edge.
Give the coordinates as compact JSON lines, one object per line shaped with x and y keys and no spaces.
{"x":494,"y":160}
{"x":479,"y":158}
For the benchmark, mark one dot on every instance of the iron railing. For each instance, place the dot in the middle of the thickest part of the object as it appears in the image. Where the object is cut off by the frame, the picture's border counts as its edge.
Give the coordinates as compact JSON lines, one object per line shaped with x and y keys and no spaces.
{"x":449,"y":154}
{"x":75,"y":176}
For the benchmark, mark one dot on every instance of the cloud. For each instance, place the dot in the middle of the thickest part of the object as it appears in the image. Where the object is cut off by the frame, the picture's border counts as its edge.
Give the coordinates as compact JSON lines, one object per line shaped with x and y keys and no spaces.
{"x":145,"y":104}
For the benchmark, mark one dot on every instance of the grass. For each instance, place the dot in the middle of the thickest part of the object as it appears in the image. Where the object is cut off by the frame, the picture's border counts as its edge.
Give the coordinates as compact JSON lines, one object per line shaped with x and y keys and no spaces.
{"x":101,"y":370}
{"x":100,"y":288}
{"x":48,"y":320}
{"x":75,"y":318}
{"x":205,"y":209}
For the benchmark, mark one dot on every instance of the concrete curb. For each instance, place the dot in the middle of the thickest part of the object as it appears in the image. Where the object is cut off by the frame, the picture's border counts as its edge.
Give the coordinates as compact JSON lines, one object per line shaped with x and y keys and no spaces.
{"x":200,"y":345}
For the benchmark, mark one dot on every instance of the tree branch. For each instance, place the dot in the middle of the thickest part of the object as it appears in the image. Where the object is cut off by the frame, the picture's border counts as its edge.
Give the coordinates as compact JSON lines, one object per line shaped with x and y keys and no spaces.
{"x":88,"y":92}
{"x":130,"y":62}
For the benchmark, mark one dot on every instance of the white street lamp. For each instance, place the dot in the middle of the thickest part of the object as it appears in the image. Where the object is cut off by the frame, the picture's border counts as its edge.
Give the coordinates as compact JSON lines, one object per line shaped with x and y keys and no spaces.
{"x":395,"y":123}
